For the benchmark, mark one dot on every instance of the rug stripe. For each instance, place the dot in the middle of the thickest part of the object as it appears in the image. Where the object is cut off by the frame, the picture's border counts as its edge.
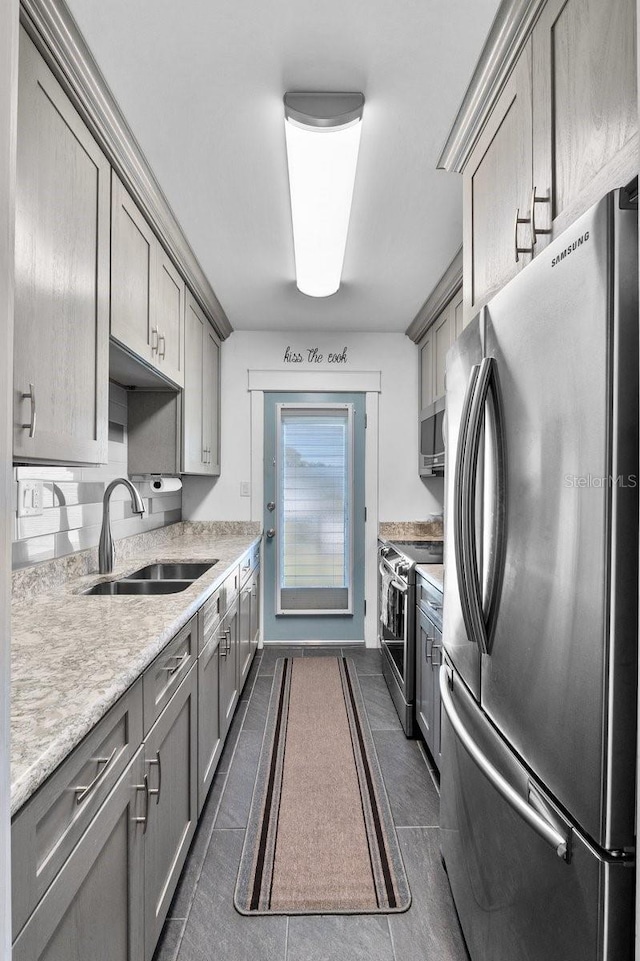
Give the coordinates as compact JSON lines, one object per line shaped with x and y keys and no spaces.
{"x":257,"y":884}
{"x":391,"y":895}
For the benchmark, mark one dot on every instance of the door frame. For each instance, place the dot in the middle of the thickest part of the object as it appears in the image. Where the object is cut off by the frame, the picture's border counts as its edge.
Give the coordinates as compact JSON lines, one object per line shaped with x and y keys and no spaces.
{"x":367,"y":382}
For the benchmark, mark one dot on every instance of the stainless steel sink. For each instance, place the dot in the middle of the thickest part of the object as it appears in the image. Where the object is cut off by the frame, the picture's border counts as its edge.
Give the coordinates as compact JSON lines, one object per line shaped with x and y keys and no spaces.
{"x":139,"y":587}
{"x":171,"y":572}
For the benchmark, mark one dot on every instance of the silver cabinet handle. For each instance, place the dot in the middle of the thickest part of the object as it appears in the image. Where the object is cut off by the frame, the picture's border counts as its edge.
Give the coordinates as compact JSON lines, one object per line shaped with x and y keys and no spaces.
{"x":145,"y":817}
{"x":157,"y":762}
{"x":83,"y":792}
{"x":162,"y":353}
{"x":227,"y":634}
{"x":521,"y":250}
{"x":154,"y":345}
{"x":434,"y":648}
{"x":271,"y":532}
{"x":529,"y":812}
{"x":31,"y":426}
{"x":179,"y":660}
{"x":223,"y":653}
{"x":537,"y":231}
{"x":434,"y":607}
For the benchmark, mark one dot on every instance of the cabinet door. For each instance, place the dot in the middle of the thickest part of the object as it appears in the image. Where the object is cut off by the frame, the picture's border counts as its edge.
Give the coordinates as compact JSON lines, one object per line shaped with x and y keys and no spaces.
{"x":442,"y":339}
{"x":170,"y":754}
{"x":209,"y":740}
{"x":585,"y":110}
{"x":94,"y":908}
{"x":255,"y":608}
{"x":211,"y":400}
{"x":457,"y":308}
{"x":133,"y":252}
{"x":193,"y":457}
{"x":61,"y":344}
{"x":427,"y":395}
{"x":424,"y":676}
{"x":245,"y":650}
{"x":228,"y":669}
{"x":496,"y":185}
{"x":169,"y":318}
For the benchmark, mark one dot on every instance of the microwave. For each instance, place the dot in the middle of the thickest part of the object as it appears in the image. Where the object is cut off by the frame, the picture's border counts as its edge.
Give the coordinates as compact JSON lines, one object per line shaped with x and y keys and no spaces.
{"x":432,"y":439}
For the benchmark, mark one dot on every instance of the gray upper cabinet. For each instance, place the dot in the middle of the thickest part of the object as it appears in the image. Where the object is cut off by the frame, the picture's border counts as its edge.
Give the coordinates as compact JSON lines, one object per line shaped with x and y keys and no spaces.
{"x":147,"y":291}
{"x":585,"y":108}
{"x":201,"y":396}
{"x":433,"y":347}
{"x":562,"y":132}
{"x":496,"y":190}
{"x":61,"y":347}
{"x":133,"y":250}
{"x":93,"y":907}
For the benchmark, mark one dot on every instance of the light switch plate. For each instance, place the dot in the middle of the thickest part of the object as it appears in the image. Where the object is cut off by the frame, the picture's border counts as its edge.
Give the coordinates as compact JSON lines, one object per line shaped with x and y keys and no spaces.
{"x":29,"y":498}
{"x":245,"y":489}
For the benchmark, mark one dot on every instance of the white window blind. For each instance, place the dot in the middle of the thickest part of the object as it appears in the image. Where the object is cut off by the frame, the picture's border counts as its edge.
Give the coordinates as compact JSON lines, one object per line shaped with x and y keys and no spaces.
{"x":315,"y":492}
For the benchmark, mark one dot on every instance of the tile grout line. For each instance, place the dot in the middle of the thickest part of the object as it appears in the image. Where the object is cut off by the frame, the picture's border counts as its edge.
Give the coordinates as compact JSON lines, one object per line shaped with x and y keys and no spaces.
{"x":393,"y":947}
{"x":213,"y":822}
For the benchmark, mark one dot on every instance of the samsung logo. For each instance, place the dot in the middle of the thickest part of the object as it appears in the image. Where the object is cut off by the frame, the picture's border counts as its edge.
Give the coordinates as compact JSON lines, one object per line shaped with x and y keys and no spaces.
{"x":569,"y":250}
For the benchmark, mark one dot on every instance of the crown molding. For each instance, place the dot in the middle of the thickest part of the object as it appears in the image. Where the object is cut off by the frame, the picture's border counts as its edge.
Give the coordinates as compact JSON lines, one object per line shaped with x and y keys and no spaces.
{"x":57,"y":36}
{"x":509,"y":31}
{"x":448,"y":285}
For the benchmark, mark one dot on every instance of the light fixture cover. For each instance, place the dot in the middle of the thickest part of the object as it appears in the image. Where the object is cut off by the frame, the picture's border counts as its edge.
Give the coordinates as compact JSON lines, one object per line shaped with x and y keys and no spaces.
{"x":323,"y":136}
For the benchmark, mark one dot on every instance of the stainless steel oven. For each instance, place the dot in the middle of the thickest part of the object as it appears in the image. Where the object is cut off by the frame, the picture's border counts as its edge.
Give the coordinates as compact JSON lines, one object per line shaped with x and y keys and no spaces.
{"x":397,"y":633}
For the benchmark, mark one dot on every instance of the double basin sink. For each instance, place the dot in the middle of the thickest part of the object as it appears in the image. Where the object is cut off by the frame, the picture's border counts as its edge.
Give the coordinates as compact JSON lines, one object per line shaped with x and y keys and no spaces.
{"x":155,"y":579}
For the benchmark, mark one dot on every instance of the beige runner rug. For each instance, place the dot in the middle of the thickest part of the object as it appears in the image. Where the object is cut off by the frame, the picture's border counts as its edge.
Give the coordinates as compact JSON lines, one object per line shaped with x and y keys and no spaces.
{"x":320,"y":838}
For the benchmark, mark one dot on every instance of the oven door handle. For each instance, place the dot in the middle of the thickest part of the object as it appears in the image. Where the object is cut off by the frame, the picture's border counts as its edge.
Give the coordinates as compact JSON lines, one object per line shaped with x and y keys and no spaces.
{"x":394,"y":583}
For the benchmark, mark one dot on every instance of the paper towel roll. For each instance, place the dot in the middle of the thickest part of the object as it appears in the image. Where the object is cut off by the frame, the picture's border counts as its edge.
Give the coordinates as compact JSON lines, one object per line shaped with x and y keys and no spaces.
{"x":166,"y":484}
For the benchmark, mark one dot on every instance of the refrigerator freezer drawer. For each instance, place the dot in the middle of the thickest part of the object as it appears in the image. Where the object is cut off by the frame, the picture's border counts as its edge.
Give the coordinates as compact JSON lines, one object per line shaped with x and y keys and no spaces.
{"x":516,"y":897}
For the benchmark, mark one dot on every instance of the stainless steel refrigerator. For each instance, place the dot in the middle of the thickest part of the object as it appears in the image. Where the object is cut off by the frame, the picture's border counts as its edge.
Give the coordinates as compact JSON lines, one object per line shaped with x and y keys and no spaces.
{"x":540,"y":608}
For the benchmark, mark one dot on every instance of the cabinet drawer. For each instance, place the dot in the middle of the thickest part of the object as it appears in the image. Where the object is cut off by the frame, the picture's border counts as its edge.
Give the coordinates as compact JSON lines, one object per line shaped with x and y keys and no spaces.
{"x":162,"y":679}
{"x":92,"y":910}
{"x":48,"y":827}
{"x":429,"y":598}
{"x":210,"y":615}
{"x":249,"y":562}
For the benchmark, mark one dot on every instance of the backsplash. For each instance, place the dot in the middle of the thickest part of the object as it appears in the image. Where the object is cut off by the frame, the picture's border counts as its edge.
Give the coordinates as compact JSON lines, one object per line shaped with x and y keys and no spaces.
{"x":72,"y":501}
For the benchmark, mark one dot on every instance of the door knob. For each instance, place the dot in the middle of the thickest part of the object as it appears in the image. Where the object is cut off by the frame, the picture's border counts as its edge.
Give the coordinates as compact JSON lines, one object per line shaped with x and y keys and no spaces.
{"x":271,"y":506}
{"x":271,"y":532}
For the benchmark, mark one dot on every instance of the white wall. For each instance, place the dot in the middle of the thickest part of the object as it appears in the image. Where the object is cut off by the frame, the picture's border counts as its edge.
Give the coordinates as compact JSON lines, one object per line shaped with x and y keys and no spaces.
{"x":402,"y":494}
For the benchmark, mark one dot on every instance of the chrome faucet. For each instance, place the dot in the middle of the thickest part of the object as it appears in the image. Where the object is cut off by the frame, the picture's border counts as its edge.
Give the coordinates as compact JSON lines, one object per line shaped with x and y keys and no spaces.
{"x":106,"y":551}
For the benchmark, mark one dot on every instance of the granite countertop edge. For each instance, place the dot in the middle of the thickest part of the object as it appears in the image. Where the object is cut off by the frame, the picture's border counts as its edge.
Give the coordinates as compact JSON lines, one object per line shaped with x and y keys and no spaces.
{"x":434,"y":573}
{"x":35,"y":764}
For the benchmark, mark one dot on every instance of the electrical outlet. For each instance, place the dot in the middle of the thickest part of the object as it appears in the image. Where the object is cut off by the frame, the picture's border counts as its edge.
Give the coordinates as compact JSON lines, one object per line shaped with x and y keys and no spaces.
{"x":29,"y":498}
{"x":245,"y":489}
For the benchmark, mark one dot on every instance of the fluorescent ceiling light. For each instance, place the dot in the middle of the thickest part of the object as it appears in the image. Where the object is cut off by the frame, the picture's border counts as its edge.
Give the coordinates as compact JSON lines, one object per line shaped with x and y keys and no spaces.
{"x":323,"y":136}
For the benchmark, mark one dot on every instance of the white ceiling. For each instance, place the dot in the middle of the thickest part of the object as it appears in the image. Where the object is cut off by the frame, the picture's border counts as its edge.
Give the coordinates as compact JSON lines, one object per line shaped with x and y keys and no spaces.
{"x":201,"y":85}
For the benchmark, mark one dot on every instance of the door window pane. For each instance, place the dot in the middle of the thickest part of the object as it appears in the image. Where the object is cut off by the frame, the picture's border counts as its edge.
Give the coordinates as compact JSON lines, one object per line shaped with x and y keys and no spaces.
{"x":315,"y":482}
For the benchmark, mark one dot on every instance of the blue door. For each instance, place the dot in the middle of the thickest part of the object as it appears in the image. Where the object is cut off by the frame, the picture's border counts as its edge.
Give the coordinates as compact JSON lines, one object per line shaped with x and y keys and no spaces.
{"x":314,"y":517}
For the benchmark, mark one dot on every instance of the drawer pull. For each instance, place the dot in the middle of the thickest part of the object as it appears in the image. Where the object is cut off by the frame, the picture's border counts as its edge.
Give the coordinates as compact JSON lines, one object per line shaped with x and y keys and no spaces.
{"x":156,"y":791}
{"x":84,"y":791}
{"x":434,"y":607}
{"x":227,"y":635}
{"x":143,"y":820}
{"x":223,"y":653}
{"x":179,"y":660}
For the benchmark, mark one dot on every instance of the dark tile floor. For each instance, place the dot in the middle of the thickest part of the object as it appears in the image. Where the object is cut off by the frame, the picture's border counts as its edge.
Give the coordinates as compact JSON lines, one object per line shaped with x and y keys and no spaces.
{"x":203,"y":924}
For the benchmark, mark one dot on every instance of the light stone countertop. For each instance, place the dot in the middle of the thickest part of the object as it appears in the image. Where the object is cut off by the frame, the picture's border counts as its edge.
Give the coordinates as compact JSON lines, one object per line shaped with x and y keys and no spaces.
{"x":74,"y":655}
{"x":433,"y":573}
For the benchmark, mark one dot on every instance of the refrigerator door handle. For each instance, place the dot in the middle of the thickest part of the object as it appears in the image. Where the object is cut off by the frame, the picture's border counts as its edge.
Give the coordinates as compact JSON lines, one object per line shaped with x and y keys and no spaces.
{"x":529,"y":810}
{"x":486,"y":380}
{"x":458,"y":524}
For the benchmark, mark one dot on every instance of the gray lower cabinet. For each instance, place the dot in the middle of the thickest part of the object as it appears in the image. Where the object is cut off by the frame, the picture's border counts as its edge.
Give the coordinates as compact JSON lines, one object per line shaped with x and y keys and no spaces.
{"x":228,"y":667}
{"x":61,"y":341}
{"x":245,"y":650}
{"x":171,"y":764}
{"x":210,"y":741}
{"x":93,"y":909}
{"x":428,"y":661}
{"x":255,"y":606}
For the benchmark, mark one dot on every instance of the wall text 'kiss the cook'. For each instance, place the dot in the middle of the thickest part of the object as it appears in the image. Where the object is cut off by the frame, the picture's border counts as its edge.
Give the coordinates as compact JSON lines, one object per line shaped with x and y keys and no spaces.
{"x":312,"y":355}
